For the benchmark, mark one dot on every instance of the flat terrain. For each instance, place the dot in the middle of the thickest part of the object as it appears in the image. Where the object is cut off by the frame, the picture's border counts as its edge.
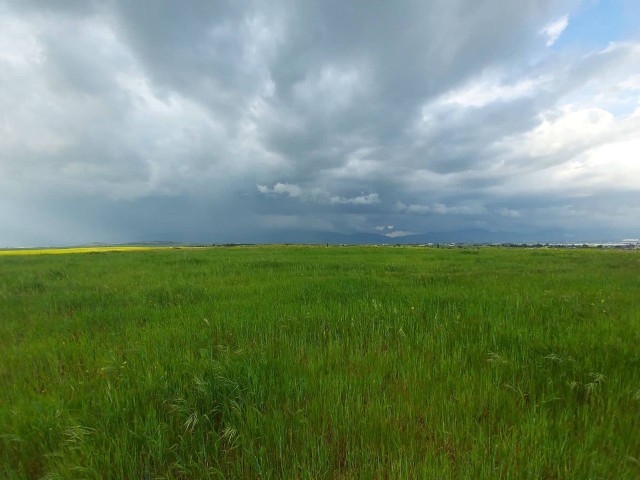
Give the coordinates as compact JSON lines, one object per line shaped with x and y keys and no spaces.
{"x":65,"y":250}
{"x":312,"y":362}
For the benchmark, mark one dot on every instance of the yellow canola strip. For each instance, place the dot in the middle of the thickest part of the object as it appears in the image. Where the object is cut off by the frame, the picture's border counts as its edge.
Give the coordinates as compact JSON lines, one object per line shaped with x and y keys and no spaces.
{"x":57,"y":251}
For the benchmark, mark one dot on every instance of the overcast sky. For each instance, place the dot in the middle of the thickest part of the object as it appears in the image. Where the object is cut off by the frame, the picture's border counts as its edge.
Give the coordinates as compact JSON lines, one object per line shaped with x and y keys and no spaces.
{"x":221,"y":121}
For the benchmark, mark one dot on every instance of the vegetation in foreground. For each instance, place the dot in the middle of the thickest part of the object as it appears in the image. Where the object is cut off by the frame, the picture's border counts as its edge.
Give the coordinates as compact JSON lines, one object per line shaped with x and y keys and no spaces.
{"x":310,"y":362}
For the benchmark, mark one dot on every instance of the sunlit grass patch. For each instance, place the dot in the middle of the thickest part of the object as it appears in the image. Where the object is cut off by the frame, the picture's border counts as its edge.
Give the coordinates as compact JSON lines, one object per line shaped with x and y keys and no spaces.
{"x":57,"y":251}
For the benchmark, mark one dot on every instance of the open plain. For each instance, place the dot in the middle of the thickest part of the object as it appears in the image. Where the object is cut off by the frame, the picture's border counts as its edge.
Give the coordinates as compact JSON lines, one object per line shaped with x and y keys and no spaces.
{"x":320,"y":362}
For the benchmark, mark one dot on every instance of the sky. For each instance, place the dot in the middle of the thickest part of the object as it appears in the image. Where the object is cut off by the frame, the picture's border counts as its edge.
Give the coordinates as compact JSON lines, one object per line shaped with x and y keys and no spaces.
{"x":240,"y":121}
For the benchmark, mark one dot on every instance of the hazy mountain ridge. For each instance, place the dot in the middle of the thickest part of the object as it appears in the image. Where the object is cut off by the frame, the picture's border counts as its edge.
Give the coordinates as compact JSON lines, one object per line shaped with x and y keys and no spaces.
{"x":471,"y":236}
{"x":467,"y":236}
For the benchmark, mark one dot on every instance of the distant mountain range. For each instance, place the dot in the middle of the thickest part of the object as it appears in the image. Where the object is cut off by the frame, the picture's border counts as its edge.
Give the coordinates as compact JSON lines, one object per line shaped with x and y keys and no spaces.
{"x":458,"y":236}
{"x":468,"y":236}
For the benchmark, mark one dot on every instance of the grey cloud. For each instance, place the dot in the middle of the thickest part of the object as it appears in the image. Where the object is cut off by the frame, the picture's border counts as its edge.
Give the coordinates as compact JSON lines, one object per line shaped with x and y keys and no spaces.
{"x":510,"y":213}
{"x":157,"y":120}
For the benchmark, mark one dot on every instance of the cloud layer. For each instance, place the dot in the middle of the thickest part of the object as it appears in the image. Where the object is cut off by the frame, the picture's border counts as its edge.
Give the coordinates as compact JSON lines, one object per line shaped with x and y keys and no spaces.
{"x":223,"y":121}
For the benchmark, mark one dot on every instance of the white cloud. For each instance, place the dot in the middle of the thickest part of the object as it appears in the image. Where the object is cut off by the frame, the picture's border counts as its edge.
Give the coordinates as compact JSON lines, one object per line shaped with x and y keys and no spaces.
{"x":317,"y":195}
{"x":369,"y":199}
{"x":398,"y":234}
{"x":553,"y":30}
{"x":576,"y":149}
{"x":487,"y":89}
{"x":567,"y":127}
{"x":440,"y":209}
{"x":611,"y":165}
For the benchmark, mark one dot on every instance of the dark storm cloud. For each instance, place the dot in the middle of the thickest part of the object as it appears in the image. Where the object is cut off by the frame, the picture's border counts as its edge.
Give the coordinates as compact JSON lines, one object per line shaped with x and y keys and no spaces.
{"x":221,"y":120}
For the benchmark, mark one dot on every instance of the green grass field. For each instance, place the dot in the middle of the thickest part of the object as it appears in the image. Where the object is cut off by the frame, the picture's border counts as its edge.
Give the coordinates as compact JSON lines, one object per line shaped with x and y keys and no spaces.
{"x":312,"y":362}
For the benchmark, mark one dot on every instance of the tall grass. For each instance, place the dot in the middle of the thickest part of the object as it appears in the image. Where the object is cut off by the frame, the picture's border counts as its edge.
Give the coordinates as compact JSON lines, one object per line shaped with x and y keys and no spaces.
{"x":310,"y":362}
